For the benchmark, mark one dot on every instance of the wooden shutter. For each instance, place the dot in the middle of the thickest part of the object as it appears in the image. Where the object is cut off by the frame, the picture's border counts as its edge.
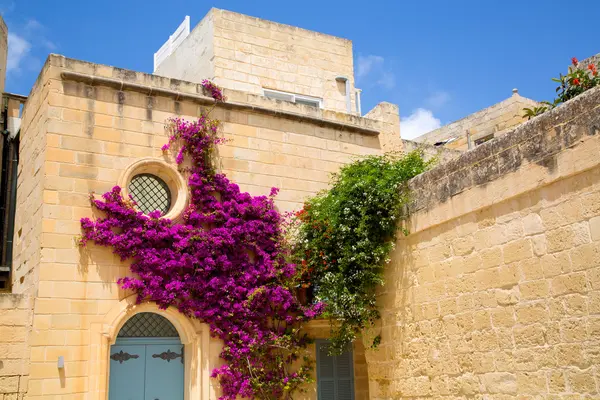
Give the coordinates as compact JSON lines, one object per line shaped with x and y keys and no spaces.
{"x":345,"y":376}
{"x":325,"y":373}
{"x":335,"y":375}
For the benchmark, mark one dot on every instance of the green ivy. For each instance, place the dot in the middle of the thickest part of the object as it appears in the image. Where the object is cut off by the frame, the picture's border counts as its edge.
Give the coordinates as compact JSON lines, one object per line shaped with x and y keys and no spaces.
{"x":345,"y":236}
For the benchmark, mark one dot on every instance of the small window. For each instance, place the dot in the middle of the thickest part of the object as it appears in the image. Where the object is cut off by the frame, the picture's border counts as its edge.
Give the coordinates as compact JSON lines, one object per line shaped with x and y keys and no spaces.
{"x":150,"y":193}
{"x":275,"y":95}
{"x":293,"y":98}
{"x":484,"y":139}
{"x":148,"y":324}
{"x":335,"y":374}
{"x":308,"y":102}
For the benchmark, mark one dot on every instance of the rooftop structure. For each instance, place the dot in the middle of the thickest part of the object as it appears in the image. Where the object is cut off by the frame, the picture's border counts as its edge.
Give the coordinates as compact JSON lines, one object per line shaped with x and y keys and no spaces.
{"x":266,"y":58}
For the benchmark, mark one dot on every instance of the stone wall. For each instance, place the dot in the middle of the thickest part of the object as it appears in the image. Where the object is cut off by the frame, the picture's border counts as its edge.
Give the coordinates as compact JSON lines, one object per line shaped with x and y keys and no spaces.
{"x":595,"y":59}
{"x":497,"y":120}
{"x":496,"y":291}
{"x":29,"y":211}
{"x":97,"y":121}
{"x":440,"y":153}
{"x":251,"y":54}
{"x":15,"y":325}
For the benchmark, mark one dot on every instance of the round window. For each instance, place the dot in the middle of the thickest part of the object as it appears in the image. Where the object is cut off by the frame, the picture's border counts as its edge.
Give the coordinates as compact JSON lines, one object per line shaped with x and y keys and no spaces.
{"x":150,"y":193}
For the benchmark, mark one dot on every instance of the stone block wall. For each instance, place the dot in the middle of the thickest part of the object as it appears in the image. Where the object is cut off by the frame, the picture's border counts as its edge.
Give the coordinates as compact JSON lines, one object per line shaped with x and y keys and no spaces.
{"x":440,"y":153}
{"x":497,"y":120}
{"x":496,"y":292}
{"x":250,"y":54}
{"x":28,"y":222}
{"x":595,"y":59}
{"x":97,"y":121}
{"x":15,"y":325}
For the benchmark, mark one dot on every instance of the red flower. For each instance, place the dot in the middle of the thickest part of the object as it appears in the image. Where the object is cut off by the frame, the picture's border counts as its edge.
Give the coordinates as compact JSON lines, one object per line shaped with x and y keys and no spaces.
{"x":591,"y":67}
{"x":595,"y":73}
{"x":575,"y":81}
{"x":575,"y":61}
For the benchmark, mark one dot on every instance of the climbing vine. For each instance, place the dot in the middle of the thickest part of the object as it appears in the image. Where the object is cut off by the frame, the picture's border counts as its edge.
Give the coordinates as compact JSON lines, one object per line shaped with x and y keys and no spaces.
{"x":345,"y":235}
{"x":225,"y":263}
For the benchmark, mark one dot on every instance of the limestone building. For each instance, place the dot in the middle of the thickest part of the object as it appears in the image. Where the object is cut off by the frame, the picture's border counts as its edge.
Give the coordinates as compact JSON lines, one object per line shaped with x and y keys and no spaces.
{"x":263,"y":58}
{"x":495,"y":293}
{"x":480,"y":127}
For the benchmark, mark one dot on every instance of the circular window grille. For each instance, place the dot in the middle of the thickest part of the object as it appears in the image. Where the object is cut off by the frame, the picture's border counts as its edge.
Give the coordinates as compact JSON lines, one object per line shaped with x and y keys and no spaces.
{"x":148,"y":324}
{"x":150,"y":193}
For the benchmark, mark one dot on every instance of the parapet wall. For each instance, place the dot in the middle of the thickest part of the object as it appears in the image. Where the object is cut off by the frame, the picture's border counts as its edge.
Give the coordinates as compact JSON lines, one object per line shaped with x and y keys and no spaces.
{"x":496,"y":291}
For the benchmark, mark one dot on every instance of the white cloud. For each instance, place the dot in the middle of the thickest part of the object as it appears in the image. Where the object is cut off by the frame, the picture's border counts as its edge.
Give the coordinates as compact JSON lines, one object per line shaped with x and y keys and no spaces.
{"x":373,"y":71}
{"x":7,"y":7}
{"x":419,"y":122}
{"x":364,"y":65}
{"x":27,"y":46}
{"x":387,"y":80}
{"x":18,"y":50}
{"x":34,"y":28}
{"x":438,"y":99}
{"x":33,"y":25}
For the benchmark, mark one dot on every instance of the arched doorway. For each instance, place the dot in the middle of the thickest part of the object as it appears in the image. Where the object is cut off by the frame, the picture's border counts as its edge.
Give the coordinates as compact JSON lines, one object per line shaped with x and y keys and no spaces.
{"x":146,"y":361}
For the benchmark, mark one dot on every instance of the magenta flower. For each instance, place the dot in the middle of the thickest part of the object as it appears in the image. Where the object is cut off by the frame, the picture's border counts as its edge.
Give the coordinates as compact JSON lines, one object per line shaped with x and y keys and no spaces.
{"x":223,"y":264}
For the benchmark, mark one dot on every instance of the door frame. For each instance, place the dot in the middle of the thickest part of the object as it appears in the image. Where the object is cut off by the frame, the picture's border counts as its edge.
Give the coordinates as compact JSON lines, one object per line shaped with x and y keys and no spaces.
{"x":194,"y":337}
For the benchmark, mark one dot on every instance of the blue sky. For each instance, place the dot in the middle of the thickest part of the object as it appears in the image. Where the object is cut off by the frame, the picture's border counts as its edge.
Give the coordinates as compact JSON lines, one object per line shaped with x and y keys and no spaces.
{"x":439,"y":60}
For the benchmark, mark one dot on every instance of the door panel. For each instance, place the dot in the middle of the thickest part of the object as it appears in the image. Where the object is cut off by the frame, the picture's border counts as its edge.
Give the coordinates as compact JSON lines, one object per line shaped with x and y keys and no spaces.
{"x":127,"y":370}
{"x":164,"y":372}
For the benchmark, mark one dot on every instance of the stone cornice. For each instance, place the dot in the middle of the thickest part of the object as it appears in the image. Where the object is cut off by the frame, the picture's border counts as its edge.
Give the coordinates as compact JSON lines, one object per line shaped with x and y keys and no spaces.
{"x":200,"y":99}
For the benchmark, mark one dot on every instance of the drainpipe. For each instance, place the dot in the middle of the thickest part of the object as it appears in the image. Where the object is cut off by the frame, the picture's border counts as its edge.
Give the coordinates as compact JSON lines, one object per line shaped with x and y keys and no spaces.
{"x":344,"y":79}
{"x":357,"y":99}
{"x":10,"y":231}
{"x":4,"y":190}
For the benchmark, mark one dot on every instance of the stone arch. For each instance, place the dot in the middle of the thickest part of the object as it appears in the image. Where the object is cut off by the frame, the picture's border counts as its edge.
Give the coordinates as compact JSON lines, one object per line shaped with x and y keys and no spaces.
{"x":195,"y":336}
{"x":188,"y":329}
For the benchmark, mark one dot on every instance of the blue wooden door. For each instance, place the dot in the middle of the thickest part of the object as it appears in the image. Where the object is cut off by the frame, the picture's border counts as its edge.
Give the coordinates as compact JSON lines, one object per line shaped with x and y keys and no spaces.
{"x":146,"y":369}
{"x":164,"y":371}
{"x":127,"y":372}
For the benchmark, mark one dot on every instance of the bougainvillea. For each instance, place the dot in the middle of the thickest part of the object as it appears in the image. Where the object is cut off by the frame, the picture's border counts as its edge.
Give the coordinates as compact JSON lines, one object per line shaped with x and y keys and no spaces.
{"x":214,"y":91}
{"x":224,"y":263}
